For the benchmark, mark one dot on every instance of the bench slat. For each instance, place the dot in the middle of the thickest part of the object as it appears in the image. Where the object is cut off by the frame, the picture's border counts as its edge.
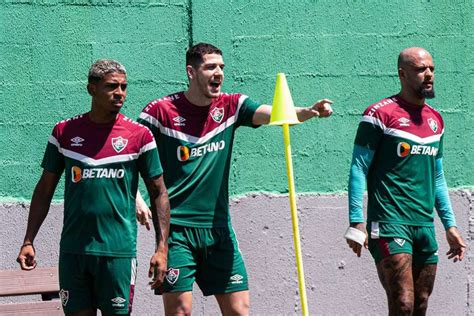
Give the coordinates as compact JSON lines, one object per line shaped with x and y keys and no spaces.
{"x":45,"y":308}
{"x":37,"y":281}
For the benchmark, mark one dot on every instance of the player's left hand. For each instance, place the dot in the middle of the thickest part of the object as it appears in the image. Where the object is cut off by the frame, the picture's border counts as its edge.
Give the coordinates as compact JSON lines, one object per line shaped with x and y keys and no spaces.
{"x":322,"y":108}
{"x":158,"y":269}
{"x":457,"y":247}
{"x":143,"y":213}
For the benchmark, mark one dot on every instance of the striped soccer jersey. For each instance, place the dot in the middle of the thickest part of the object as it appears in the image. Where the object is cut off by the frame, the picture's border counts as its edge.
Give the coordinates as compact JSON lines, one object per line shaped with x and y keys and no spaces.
{"x":101,"y":163}
{"x":195,"y":146}
{"x":407,"y":140}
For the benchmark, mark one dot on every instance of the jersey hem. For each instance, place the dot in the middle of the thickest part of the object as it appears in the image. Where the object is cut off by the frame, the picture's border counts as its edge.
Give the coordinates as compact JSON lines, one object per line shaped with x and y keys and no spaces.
{"x":101,"y":253}
{"x":424,"y":224}
{"x":199,"y":225}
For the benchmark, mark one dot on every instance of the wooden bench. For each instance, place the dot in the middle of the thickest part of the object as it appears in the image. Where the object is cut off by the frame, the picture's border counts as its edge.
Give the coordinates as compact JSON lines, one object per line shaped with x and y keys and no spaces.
{"x":42,"y":281}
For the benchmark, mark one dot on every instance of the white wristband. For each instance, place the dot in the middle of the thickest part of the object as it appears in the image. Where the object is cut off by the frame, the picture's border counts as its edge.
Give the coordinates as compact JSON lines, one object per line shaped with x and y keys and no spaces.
{"x":355,"y":235}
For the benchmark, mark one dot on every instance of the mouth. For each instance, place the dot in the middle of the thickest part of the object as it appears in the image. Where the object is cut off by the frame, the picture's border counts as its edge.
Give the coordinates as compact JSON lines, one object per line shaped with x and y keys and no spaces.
{"x":118,"y":103}
{"x":215,"y":85}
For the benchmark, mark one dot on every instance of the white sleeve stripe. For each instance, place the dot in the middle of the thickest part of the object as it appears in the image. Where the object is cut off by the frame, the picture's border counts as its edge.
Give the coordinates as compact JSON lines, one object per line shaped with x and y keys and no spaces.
{"x":150,"y":146}
{"x":373,"y":120}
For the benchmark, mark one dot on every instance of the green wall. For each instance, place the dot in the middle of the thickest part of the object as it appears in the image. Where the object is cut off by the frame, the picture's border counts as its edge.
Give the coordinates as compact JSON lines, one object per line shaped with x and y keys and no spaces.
{"x":343,"y":50}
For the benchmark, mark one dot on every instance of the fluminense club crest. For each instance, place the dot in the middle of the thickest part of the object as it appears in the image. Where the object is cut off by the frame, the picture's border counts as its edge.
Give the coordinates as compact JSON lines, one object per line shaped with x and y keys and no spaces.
{"x":217,"y":114}
{"x":119,"y":143}
{"x":433,"y":124}
{"x":64,"y":296}
{"x":172,"y":275}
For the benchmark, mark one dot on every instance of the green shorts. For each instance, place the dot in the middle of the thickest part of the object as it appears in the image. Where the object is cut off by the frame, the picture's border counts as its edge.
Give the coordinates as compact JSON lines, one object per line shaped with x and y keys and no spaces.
{"x":208,"y":256}
{"x":88,"y":281}
{"x":389,"y":239}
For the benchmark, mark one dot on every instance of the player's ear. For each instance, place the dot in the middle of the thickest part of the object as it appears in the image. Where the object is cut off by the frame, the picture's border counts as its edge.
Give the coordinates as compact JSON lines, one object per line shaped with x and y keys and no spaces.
{"x":91,"y":88}
{"x":190,"y":72}
{"x":401,"y":73}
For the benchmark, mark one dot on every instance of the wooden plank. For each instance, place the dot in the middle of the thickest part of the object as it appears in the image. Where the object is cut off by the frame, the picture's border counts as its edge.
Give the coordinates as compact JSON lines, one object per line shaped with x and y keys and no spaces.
{"x":37,"y":281}
{"x":40,"y":308}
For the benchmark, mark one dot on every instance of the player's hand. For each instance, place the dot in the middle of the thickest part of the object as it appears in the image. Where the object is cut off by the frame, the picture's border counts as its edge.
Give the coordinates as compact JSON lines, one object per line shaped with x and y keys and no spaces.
{"x":26,"y":257}
{"x":457,"y":247}
{"x":355,"y":246}
{"x":322,"y":108}
{"x":158,"y":268}
{"x":143,"y":213}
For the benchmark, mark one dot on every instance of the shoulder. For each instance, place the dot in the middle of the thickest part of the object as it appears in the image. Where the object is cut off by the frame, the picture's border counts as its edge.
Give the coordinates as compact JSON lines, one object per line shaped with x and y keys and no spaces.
{"x":163,"y":102}
{"x":382,"y":108}
{"x":69,"y":123}
{"x":132,"y":125}
{"x":232,"y":98}
{"x":434,"y":111}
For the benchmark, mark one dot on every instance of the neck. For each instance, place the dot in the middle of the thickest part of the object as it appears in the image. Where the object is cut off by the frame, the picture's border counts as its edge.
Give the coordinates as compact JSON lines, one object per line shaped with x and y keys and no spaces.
{"x":197,"y":98}
{"x":101,"y":117}
{"x":411,"y":98}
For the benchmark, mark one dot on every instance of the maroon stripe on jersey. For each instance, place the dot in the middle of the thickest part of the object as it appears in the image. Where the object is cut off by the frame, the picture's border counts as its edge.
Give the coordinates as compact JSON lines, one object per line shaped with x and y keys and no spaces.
{"x":175,"y":112}
{"x":84,"y":137}
{"x":396,"y":113}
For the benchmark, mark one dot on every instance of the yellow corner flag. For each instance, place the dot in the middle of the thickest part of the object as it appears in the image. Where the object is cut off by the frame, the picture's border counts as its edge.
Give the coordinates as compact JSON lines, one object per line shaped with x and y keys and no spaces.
{"x":284,"y":114}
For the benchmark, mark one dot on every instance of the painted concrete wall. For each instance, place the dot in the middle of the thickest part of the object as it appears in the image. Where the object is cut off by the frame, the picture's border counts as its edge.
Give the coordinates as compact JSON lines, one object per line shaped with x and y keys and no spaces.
{"x":337,"y":282}
{"x":344,"y":50}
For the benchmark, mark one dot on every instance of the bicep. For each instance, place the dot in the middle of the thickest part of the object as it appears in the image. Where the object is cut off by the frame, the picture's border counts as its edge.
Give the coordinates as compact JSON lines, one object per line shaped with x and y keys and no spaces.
{"x":262,"y":115}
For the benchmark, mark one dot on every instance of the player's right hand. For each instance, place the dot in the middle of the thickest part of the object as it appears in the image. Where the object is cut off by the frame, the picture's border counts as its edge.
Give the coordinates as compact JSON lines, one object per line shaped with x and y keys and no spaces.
{"x":158,"y":269}
{"x":26,"y":257}
{"x":355,"y":246}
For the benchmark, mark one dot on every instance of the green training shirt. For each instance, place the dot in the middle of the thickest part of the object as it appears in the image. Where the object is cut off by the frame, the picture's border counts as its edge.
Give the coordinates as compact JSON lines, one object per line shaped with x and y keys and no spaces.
{"x":195,"y":146}
{"x":407,"y":140}
{"x":101,"y":163}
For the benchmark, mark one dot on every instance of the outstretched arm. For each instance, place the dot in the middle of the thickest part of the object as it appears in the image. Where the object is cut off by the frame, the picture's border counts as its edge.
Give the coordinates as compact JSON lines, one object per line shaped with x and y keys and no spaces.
{"x":39,"y":208}
{"x":321,"y":108}
{"x":160,"y":208}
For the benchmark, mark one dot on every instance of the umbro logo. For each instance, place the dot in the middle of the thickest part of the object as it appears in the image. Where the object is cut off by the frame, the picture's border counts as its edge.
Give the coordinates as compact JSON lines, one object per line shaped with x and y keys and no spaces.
{"x":118,"y":301}
{"x":236,"y":279}
{"x":404,"y":121}
{"x":77,"y":141}
{"x":179,"y":121}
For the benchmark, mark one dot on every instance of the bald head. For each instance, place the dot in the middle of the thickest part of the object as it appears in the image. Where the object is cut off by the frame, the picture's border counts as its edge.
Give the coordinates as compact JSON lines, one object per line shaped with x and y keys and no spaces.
{"x":410,"y":55}
{"x":416,"y":73}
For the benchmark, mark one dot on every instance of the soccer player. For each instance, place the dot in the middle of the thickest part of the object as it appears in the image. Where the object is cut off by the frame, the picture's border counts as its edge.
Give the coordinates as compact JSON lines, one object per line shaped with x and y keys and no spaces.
{"x":102,"y":154}
{"x":194,"y":130}
{"x":398,"y":152}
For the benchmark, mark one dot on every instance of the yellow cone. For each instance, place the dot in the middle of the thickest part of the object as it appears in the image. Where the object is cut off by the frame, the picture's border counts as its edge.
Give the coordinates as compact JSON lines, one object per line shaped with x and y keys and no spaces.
{"x":283,"y":109}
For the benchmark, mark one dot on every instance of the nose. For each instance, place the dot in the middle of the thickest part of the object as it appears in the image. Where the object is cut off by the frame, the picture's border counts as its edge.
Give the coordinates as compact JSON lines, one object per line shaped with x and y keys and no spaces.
{"x":120,"y":91}
{"x":219,"y":71}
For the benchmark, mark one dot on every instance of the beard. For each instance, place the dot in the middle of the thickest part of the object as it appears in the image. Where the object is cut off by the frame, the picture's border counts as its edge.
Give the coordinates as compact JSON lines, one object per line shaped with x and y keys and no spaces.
{"x":426,"y":93}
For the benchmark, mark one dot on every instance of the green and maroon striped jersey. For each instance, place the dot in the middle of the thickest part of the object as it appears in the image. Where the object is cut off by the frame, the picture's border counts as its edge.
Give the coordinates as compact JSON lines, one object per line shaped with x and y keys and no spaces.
{"x":407,"y":140}
{"x":102,"y":163}
{"x":195,"y":146}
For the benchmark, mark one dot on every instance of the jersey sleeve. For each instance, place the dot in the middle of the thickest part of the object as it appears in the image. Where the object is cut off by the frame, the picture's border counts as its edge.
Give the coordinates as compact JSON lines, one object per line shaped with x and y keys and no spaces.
{"x":149,"y":118}
{"x":149,"y":164}
{"x":440,"y":147}
{"x":246,"y":111}
{"x":53,"y":159}
{"x":442,"y":202}
{"x":361,"y":160}
{"x":369,"y":132}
